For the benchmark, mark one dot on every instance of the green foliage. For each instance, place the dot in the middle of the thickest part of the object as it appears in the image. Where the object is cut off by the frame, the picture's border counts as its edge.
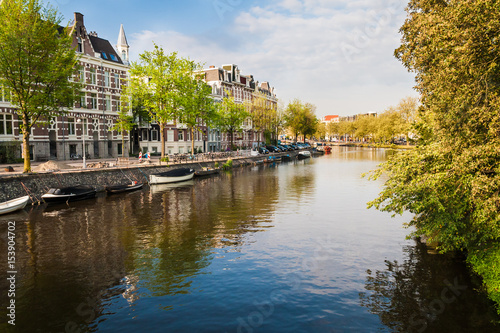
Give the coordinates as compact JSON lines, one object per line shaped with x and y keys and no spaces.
{"x":451,"y":180}
{"x":230,"y":116}
{"x":300,"y":118}
{"x":228,"y":165}
{"x":395,"y":121}
{"x":156,"y":81}
{"x":266,"y":117}
{"x":197,"y":106}
{"x":124,"y":123}
{"x":164,"y":159}
{"x":216,"y":165}
{"x":9,"y":152}
{"x":36,"y":64}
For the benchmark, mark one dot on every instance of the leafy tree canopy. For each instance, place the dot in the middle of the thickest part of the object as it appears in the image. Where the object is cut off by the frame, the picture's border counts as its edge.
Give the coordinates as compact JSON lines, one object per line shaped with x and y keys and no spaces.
{"x":36,"y":64}
{"x":451,"y":180}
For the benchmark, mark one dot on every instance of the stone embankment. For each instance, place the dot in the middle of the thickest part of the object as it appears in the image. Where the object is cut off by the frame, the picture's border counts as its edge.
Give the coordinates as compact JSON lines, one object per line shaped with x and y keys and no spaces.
{"x":36,"y":184}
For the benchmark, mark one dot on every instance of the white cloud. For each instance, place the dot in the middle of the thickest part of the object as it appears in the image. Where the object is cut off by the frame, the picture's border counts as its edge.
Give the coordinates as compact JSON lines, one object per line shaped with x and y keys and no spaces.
{"x":334,"y":54}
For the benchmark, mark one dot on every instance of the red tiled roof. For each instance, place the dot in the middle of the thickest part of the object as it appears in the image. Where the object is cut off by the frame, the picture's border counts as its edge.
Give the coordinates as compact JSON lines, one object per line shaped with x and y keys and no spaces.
{"x":331,"y":117}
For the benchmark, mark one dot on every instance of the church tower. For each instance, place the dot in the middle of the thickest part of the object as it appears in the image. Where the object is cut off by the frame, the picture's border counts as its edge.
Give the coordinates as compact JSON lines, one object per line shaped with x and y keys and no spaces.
{"x":122,"y":46}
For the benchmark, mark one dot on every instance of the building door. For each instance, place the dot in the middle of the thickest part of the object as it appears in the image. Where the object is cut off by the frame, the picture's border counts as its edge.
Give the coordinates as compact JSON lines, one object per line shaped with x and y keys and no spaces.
{"x":95,"y":136}
{"x":110,"y":145}
{"x":52,"y":145}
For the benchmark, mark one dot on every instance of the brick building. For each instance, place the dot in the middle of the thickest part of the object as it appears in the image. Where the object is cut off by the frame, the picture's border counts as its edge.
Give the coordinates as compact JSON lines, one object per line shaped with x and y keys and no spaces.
{"x":146,"y":137}
{"x":102,"y":69}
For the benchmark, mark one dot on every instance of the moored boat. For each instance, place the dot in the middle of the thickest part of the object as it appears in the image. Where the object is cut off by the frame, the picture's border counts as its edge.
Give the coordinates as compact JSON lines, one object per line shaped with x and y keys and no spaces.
{"x":206,"y":172}
{"x":65,"y":194}
{"x":124,"y":187}
{"x":172,"y":176}
{"x":14,"y":204}
{"x":302,"y":155}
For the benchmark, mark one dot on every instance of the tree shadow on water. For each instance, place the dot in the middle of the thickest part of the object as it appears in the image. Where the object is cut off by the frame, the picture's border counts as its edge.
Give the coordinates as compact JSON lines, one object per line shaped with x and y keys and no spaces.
{"x":428,"y":293}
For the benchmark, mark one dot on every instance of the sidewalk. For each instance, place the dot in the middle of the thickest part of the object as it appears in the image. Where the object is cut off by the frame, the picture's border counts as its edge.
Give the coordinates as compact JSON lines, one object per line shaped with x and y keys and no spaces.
{"x":78,"y":164}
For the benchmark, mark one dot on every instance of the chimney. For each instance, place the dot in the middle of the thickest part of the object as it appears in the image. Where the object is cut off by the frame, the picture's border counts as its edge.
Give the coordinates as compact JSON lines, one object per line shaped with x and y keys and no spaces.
{"x":79,"y":19}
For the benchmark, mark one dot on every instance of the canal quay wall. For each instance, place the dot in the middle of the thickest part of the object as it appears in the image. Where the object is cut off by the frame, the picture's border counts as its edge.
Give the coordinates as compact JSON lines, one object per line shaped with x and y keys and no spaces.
{"x":36,"y":184}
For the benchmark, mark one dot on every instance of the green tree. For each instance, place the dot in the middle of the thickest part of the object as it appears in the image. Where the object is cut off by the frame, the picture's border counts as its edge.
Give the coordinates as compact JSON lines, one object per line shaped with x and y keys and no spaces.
{"x":124,"y":123}
{"x":198,"y":107}
{"x":293,"y":113}
{"x":230,"y":116}
{"x":300,"y":118}
{"x":155,"y":81}
{"x":451,"y":180}
{"x":36,"y":64}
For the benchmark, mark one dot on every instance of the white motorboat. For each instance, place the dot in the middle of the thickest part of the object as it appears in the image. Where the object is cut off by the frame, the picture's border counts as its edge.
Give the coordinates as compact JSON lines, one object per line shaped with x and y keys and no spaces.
{"x":14,"y":204}
{"x":172,"y":176}
{"x":304,"y":154}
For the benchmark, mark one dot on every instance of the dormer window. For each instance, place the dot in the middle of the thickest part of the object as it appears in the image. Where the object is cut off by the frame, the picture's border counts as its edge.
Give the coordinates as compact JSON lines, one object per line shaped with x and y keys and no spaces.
{"x":80,"y":44}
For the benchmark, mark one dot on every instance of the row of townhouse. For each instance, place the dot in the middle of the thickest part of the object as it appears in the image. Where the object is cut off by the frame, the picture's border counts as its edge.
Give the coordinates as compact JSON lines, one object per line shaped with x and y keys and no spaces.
{"x":103,"y":70}
{"x":226,"y":80}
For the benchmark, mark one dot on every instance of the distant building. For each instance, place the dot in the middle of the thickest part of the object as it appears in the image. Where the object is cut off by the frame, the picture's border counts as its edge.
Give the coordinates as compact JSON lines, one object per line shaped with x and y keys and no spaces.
{"x":354,"y":117}
{"x":227,"y":80}
{"x":330,"y":119}
{"x":102,"y":69}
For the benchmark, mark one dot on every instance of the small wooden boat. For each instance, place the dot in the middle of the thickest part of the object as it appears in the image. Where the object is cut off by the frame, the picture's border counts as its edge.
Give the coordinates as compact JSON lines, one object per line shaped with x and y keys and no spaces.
{"x":304,"y":154}
{"x":206,"y":172}
{"x":172,"y":176}
{"x":13,"y":205}
{"x":327,"y":149}
{"x":123,"y":188}
{"x":65,"y":194}
{"x":318,"y":152}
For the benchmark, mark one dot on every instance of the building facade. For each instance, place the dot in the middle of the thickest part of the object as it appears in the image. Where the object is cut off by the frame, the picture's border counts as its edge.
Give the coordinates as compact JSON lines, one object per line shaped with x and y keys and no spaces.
{"x":102,"y":70}
{"x":226,"y":80}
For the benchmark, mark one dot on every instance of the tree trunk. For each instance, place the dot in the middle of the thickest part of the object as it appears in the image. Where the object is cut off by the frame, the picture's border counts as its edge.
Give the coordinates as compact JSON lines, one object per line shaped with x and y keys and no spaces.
{"x":192,"y":140}
{"x":162,"y":140}
{"x":26,"y":146}
{"x":231,"y":141}
{"x":123,"y":144}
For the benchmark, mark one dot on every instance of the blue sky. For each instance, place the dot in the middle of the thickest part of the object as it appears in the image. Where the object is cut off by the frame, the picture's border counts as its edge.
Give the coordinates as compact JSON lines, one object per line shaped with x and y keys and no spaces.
{"x":335,"y":54}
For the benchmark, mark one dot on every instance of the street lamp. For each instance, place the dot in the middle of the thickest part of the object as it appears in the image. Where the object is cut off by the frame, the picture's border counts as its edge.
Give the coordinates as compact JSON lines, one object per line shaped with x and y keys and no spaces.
{"x":83,"y":136}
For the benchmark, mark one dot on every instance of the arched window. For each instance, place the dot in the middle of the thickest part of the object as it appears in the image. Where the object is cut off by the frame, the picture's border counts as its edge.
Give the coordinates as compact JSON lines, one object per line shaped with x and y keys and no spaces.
{"x":124,"y":55}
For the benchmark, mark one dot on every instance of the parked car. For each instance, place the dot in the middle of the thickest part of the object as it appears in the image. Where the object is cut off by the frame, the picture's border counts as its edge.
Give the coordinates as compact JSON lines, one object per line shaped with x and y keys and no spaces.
{"x":273,"y":149}
{"x":263,"y":150}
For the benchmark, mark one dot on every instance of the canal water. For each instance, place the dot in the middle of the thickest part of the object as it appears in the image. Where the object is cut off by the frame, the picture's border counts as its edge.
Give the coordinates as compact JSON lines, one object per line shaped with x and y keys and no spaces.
{"x":280,"y":248}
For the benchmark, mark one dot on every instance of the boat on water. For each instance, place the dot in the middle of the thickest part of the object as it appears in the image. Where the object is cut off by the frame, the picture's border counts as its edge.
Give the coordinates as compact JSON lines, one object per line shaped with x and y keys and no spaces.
{"x":318,"y":152}
{"x":172,"y":176}
{"x":327,"y":149}
{"x":302,"y":155}
{"x":13,"y":205}
{"x":113,"y":189}
{"x":206,"y":172}
{"x":66,"y":194}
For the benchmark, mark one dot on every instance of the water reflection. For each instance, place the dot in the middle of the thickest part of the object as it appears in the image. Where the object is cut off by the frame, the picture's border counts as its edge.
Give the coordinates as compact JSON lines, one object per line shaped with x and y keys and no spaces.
{"x":77,"y":260}
{"x":427,"y":293}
